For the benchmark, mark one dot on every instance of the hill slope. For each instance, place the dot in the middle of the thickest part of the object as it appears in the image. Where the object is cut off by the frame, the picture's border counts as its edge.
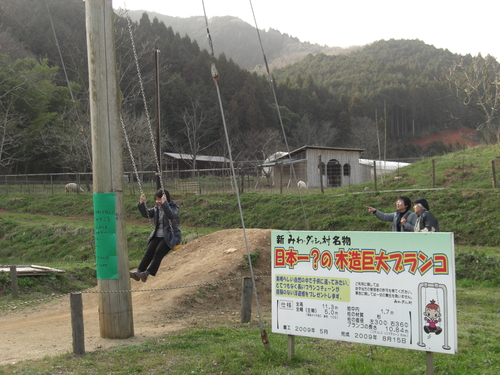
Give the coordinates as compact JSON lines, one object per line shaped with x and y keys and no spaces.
{"x":238,"y":40}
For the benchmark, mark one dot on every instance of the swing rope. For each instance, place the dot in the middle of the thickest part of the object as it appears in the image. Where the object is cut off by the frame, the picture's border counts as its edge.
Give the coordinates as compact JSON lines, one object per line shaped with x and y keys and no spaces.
{"x":150,"y":128}
{"x":215,"y":76}
{"x":150,"y":133}
{"x":136,"y":173}
{"x":271,"y":83}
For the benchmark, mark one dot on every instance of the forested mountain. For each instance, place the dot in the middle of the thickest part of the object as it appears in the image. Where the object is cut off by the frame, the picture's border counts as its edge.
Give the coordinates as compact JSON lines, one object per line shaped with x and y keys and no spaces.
{"x":341,"y":100}
{"x":394,"y":77}
{"x":239,"y":40}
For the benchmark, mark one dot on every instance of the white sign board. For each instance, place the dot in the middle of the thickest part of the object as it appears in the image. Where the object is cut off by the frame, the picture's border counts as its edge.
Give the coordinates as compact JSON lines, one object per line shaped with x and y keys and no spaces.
{"x":378,"y":288}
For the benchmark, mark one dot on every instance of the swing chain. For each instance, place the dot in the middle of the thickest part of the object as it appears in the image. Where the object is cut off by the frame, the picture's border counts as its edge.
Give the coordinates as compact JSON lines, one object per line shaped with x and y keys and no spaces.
{"x":129,"y":23}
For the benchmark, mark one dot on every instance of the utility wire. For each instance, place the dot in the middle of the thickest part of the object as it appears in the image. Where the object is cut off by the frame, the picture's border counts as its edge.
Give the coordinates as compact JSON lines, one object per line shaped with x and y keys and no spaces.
{"x":67,"y":79}
{"x":59,"y":50}
{"x":271,"y":83}
{"x":216,"y":79}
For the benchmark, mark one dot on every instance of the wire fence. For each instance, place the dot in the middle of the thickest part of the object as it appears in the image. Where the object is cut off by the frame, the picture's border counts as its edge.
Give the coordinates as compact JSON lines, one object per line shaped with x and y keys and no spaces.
{"x":195,"y":181}
{"x":13,"y":306}
{"x":199,"y":181}
{"x":438,"y":172}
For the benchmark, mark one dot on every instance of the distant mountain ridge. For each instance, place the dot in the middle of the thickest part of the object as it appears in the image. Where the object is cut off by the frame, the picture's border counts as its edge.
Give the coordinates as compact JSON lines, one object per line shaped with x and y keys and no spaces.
{"x":238,"y":40}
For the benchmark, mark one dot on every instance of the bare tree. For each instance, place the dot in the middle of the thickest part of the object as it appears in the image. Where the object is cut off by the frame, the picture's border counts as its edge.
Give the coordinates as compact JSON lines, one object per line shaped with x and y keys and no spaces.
{"x":72,"y":149}
{"x":260,"y":146}
{"x":16,"y":88}
{"x":11,"y":135}
{"x":142,"y":145}
{"x":12,"y":47}
{"x":476,"y":82}
{"x":195,"y":130}
{"x":314,"y":133}
{"x":69,"y":144}
{"x":131,"y":53}
{"x":364,"y":135}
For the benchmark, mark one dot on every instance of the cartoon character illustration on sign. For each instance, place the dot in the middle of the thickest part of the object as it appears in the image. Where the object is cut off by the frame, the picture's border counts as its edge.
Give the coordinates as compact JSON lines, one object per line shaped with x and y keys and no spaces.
{"x":433,"y":316}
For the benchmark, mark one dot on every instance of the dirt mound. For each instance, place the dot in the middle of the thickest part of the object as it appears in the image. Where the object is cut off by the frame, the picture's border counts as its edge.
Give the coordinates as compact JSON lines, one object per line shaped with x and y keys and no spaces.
{"x":211,"y":267}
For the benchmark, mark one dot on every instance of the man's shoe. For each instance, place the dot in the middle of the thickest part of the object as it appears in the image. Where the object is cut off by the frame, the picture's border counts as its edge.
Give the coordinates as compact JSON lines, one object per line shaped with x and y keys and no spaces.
{"x":135,"y":275}
{"x":143,"y":276}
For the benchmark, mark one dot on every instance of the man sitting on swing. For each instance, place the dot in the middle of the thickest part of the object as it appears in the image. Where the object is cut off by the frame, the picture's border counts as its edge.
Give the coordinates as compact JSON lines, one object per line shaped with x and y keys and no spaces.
{"x":165,"y":236}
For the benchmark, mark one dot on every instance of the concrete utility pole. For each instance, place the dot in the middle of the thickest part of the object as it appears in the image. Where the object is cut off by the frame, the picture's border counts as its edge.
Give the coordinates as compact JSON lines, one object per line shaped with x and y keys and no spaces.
{"x":115,"y":309}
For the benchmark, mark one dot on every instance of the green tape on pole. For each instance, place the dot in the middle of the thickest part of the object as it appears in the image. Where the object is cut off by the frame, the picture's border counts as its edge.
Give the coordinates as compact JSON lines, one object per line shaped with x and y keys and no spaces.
{"x":105,"y":236}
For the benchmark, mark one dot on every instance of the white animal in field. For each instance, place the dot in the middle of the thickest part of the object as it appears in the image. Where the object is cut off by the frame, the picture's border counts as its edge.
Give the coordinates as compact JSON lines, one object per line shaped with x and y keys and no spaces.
{"x":301,"y":185}
{"x":73,"y":188}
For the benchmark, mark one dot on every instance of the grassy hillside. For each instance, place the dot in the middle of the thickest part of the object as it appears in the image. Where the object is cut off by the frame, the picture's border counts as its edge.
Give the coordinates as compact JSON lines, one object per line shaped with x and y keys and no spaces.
{"x":60,"y":227}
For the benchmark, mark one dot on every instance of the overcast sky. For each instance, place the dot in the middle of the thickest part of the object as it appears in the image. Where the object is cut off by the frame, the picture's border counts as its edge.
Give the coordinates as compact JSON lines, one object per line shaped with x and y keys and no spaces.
{"x":470,"y":27}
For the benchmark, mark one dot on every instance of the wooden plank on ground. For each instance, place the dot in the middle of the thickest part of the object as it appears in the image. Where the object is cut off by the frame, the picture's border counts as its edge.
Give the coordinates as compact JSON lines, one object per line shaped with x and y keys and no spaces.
{"x":31,"y":270}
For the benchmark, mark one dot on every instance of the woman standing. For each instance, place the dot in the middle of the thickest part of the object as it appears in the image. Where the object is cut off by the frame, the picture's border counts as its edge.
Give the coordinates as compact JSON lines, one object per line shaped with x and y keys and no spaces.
{"x":426,"y":222}
{"x":402,"y":220}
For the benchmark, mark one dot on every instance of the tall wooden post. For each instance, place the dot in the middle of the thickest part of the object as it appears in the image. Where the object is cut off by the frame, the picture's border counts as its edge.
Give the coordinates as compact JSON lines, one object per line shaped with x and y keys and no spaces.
{"x":433,"y":173}
{"x":281,"y":178}
{"x":115,"y":309}
{"x":157,"y":112}
{"x":494,"y":174}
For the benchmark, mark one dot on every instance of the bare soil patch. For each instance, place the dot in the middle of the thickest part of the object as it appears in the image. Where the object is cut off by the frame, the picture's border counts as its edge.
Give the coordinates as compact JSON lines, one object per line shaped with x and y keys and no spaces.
{"x":211,"y":267}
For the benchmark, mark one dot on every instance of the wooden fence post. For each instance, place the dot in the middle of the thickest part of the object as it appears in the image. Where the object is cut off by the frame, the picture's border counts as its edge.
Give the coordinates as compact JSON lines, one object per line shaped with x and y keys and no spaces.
{"x":242,"y":177}
{"x":13,"y":281}
{"x":77,"y":178}
{"x":199,"y":182}
{"x":281,"y":178}
{"x":433,"y":173}
{"x":246,"y":299}
{"x":494,"y":178}
{"x":375,"y":175}
{"x":77,"y":323}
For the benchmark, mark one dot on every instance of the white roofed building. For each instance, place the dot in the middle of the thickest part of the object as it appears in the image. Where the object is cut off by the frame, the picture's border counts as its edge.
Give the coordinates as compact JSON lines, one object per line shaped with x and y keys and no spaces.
{"x":332,"y":166}
{"x":181,"y":162}
{"x":382,"y":166}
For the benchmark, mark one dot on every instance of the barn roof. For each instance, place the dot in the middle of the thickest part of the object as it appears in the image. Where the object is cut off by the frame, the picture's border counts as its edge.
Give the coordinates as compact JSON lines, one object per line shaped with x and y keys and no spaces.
{"x":384,"y":165}
{"x":281,"y":161}
{"x":303,"y":148}
{"x":214,"y":159}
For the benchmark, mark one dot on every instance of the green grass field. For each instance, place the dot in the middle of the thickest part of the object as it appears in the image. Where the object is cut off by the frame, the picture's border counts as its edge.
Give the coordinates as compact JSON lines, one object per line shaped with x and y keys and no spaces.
{"x":58,"y":230}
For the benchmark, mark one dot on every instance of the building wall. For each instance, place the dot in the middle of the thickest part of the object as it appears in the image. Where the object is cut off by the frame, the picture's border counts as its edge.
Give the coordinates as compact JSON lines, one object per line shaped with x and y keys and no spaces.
{"x":344,"y":157}
{"x":308,"y":170}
